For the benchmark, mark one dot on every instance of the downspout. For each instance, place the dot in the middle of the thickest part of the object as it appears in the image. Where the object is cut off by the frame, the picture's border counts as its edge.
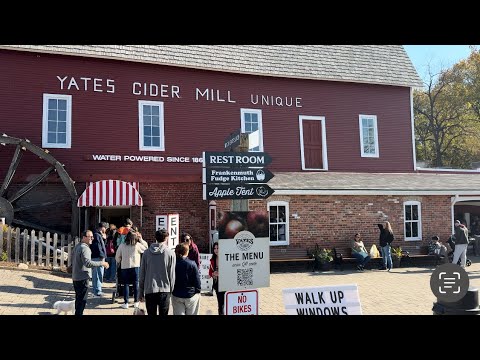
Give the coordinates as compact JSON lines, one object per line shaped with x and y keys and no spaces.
{"x":414,"y":152}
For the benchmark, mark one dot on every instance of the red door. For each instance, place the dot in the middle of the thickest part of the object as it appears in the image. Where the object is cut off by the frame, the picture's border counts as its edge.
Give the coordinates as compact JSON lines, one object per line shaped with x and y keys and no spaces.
{"x":312,"y":144}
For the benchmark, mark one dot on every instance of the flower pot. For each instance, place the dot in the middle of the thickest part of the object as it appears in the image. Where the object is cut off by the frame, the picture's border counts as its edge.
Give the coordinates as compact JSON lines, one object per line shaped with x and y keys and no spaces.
{"x":326,"y":266}
{"x":396,"y":262}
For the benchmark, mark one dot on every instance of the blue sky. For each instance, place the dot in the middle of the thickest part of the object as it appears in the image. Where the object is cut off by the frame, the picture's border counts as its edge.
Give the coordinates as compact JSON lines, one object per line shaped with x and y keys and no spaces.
{"x":437,"y":55}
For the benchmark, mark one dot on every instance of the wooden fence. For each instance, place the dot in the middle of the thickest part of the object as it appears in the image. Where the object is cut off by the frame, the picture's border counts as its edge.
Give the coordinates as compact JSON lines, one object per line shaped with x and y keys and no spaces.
{"x":36,"y":248}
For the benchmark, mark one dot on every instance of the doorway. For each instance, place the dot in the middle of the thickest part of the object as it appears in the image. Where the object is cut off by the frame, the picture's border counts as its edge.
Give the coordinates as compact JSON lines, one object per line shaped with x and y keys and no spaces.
{"x":114,"y":215}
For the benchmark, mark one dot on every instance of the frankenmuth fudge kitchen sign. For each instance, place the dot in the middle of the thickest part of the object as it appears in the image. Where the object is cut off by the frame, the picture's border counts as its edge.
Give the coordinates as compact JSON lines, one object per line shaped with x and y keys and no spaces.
{"x":323,"y":300}
{"x":244,"y":262}
{"x":228,"y":175}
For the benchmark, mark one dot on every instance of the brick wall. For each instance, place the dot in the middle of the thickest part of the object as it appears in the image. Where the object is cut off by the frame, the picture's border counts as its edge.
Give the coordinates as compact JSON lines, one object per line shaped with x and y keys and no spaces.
{"x":184,"y":199}
{"x":331,"y":221}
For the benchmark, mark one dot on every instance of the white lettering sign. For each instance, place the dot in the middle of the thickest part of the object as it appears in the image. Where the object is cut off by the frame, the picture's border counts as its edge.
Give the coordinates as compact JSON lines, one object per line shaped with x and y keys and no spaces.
{"x":173,"y":230}
{"x":98,"y":84}
{"x":244,"y":262}
{"x":169,"y":222}
{"x":271,"y":100}
{"x":146,"y":158}
{"x":205,"y":279}
{"x":87,"y":84}
{"x":161,"y":222}
{"x":324,"y":300}
{"x":213,"y":95}
{"x":156,"y":90}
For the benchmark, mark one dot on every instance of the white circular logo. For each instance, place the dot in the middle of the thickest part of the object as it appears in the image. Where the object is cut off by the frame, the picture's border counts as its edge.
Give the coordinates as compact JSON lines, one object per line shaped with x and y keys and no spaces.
{"x":260,"y":175}
{"x":244,"y":240}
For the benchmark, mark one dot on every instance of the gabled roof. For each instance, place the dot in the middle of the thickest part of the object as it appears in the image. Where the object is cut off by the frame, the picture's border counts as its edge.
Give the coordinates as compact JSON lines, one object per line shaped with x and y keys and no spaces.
{"x":337,"y":183}
{"x":375,"y":64}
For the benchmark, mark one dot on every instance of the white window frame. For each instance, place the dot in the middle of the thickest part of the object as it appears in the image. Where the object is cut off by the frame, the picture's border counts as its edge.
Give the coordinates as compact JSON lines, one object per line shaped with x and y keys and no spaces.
{"x":360,"y":120}
{"x":419,"y":205}
{"x":324,"y":141}
{"x":287,"y":222}
{"x":45,"y":143}
{"x":141,"y":145}
{"x":244,"y":111}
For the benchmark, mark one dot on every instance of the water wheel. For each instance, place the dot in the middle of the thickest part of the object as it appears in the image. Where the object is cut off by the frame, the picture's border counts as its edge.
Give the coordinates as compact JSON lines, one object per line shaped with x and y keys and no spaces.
{"x":19,"y":213}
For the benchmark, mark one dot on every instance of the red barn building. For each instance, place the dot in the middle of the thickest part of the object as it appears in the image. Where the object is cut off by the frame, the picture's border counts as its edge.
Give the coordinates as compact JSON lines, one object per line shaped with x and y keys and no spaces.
{"x":128,"y":125}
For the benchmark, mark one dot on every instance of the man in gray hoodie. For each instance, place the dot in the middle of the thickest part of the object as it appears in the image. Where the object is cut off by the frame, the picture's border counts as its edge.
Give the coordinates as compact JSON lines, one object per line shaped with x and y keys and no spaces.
{"x":82,"y":270}
{"x":157,"y":275}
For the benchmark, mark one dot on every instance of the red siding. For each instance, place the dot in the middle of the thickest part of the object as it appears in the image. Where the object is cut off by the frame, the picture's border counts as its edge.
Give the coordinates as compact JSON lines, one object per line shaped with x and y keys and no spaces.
{"x":105,"y":123}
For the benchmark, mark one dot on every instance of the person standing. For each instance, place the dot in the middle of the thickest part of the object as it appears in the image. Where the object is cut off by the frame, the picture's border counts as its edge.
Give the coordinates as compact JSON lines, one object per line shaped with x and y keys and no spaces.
{"x":186,"y":293}
{"x":110,"y":246}
{"x":386,"y":239}
{"x":81,"y":270}
{"x":461,"y":244}
{"x":360,"y":252}
{"x":157,"y":275}
{"x":128,"y":256}
{"x":213,"y":273}
{"x":193,"y":253}
{"x":99,"y":253}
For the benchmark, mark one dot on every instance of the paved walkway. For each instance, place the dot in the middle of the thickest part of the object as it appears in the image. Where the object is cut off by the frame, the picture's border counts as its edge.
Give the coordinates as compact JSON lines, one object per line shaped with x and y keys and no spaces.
{"x":401,"y":291}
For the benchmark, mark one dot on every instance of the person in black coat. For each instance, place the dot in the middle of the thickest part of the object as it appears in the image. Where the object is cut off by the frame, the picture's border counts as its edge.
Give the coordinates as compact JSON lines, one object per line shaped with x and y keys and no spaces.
{"x":99,"y":253}
{"x":186,"y":292}
{"x":386,"y":239}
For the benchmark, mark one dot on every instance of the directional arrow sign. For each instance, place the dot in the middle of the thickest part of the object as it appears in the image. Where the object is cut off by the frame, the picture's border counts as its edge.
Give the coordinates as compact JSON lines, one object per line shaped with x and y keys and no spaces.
{"x":227,"y":159}
{"x":245,"y":191}
{"x":233,"y":140}
{"x":237,"y":175}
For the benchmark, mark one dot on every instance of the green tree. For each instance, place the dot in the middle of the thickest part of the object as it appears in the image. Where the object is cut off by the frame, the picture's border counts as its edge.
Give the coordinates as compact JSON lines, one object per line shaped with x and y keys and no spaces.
{"x":440,"y":110}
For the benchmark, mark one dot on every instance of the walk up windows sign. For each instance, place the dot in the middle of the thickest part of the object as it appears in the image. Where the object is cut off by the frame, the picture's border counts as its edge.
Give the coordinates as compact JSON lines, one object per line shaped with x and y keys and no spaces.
{"x":324,"y":300}
{"x":244,"y":262}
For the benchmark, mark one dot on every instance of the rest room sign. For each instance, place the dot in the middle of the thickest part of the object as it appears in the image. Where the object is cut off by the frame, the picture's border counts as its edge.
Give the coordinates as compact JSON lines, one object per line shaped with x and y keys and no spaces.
{"x":170,"y":222}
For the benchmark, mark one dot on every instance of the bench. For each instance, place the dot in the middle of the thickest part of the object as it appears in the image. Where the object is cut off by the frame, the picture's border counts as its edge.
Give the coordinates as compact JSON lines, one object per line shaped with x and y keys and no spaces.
{"x":290,"y":255}
{"x":343,"y":256}
{"x":421,"y":256}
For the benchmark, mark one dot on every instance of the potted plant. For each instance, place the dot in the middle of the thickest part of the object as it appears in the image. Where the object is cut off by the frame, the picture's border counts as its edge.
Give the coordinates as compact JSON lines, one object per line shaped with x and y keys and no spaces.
{"x":396,"y":256}
{"x":323,"y":258}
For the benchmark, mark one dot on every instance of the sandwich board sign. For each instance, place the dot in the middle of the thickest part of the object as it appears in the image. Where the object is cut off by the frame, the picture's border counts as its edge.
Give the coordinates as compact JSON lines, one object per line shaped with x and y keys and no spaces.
{"x":205,"y":279}
{"x":170,"y":222}
{"x":322,"y":300}
{"x":243,"y":262}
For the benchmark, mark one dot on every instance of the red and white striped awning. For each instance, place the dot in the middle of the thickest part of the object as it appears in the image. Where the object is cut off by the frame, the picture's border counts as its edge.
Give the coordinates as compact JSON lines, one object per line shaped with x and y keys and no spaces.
{"x":110,"y":193}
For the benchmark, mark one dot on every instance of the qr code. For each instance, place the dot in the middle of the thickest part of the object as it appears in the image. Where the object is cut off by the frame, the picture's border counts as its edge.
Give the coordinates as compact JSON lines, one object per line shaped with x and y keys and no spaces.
{"x":245,"y":277}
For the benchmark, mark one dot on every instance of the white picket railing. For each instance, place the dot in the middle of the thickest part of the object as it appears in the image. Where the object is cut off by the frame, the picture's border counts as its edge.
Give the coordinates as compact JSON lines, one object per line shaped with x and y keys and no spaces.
{"x":44,"y":250}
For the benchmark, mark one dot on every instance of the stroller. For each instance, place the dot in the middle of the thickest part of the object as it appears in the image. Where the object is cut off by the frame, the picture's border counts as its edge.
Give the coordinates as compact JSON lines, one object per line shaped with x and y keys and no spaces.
{"x":120,"y":288}
{"x":451,"y":242}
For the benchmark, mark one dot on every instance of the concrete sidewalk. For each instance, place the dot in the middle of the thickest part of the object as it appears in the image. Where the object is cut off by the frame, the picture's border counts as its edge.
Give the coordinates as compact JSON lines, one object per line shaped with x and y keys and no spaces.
{"x":401,"y":291}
